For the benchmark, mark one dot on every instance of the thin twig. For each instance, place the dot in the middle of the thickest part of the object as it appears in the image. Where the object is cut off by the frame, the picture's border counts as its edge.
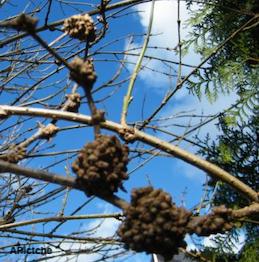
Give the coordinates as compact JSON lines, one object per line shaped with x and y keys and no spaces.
{"x":128,"y":98}
{"x":59,"y":218}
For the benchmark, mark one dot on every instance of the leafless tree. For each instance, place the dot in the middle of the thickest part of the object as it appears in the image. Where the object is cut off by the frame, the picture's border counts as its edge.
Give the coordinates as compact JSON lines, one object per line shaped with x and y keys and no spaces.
{"x":62,"y":72}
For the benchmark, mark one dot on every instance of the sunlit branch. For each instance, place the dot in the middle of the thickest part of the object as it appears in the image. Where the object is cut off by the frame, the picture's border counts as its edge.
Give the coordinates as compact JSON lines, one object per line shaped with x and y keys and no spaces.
{"x":176,"y":151}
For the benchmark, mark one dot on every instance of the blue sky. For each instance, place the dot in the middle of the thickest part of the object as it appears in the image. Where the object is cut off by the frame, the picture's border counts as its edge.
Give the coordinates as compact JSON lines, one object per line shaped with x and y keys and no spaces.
{"x":181,"y":180}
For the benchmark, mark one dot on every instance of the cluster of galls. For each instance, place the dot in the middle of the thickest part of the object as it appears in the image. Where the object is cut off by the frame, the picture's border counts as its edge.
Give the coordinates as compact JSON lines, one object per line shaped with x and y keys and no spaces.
{"x":80,"y":27}
{"x":101,"y":166}
{"x":153,"y":223}
{"x":218,"y":221}
{"x":73,"y":102}
{"x":15,"y":154}
{"x":83,"y":72}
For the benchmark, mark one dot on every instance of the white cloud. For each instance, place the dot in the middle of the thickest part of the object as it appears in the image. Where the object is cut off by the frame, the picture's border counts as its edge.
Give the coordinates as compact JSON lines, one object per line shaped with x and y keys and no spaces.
{"x":164,"y":21}
{"x":104,"y":227}
{"x":74,"y":258}
{"x":208,"y":241}
{"x":99,"y":228}
{"x":190,"y":172}
{"x":164,"y":35}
